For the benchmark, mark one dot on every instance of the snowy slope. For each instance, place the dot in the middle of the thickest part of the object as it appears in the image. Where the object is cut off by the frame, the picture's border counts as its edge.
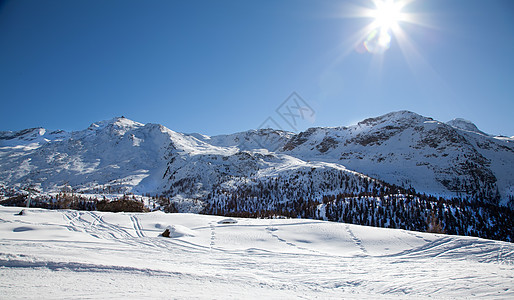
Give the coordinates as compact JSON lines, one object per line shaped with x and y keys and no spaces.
{"x":76,"y":254}
{"x":407,"y":149}
{"x":268,"y":139}
{"x":465,"y":125}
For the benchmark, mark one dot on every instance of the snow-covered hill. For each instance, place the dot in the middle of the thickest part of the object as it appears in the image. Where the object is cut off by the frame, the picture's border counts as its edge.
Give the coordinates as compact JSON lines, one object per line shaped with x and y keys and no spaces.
{"x":402,"y":148}
{"x":77,"y":254}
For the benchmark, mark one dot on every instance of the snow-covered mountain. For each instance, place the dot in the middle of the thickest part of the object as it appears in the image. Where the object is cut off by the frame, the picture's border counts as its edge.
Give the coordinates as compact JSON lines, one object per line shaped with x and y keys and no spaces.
{"x":111,"y":154}
{"x":464,"y":124}
{"x":120,"y":155}
{"x":402,"y":148}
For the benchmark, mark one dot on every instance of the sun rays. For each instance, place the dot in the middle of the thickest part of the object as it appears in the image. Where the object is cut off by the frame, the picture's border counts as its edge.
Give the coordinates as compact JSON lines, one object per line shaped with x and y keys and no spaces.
{"x":390,"y":24}
{"x":386,"y":18}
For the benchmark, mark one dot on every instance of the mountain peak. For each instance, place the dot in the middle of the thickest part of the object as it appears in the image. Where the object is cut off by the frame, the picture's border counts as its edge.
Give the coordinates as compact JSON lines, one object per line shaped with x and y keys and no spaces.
{"x":119,"y":122}
{"x":30,"y":133}
{"x":464,"y":124}
{"x":402,"y":116}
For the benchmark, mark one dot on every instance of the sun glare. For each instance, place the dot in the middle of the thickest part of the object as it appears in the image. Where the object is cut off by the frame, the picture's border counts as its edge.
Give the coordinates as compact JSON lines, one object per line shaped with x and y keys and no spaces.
{"x":389,"y":23}
{"x":386,"y":21}
{"x":387,"y":14}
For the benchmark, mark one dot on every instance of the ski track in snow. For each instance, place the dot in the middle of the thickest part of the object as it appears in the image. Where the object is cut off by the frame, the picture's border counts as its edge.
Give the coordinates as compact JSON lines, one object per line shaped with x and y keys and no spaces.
{"x":100,"y":225}
{"x":137,"y":226}
{"x":272,"y":231}
{"x":213,"y":235}
{"x":412,"y":233}
{"x":356,"y":240}
{"x":81,"y":254}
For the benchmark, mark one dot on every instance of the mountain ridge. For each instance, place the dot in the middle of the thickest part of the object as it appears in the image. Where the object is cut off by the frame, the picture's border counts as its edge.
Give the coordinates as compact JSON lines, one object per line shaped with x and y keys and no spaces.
{"x":402,"y":148}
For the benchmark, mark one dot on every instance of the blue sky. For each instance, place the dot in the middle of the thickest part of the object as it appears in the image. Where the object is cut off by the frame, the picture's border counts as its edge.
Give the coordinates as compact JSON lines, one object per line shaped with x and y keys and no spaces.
{"x":225,"y":66}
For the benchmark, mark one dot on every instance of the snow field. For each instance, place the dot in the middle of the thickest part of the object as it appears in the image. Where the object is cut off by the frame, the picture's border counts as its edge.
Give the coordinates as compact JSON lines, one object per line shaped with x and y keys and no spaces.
{"x":78,"y":254}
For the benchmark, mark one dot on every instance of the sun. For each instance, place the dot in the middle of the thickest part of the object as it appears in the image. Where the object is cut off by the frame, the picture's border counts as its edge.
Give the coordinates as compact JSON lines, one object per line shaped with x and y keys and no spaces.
{"x":385,"y":28}
{"x":387,"y":14}
{"x":389,"y":24}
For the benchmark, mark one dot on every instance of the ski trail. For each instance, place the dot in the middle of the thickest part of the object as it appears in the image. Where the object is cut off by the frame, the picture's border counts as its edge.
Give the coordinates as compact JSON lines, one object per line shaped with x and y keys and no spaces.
{"x":138,"y":223}
{"x":213,"y":235}
{"x":71,"y":218}
{"x":79,"y":224}
{"x":505,"y":256}
{"x":271,"y":230}
{"x":137,"y":226}
{"x":446,"y":247}
{"x":97,"y":228}
{"x":171,"y":244}
{"x":418,"y":236}
{"x":110,"y":227}
{"x":356,"y":240}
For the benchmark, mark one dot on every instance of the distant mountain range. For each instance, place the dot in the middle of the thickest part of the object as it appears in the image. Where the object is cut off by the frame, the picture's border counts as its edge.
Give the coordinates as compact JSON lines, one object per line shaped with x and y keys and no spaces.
{"x":453,"y":159}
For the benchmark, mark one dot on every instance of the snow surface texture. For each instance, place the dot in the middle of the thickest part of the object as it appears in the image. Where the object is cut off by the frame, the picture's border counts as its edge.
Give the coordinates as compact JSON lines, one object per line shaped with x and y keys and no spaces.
{"x":120,"y":156}
{"x":78,"y":254}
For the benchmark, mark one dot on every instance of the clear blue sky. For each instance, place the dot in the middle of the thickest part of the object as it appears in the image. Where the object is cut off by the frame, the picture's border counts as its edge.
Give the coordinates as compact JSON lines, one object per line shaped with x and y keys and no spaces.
{"x":224,"y":66}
